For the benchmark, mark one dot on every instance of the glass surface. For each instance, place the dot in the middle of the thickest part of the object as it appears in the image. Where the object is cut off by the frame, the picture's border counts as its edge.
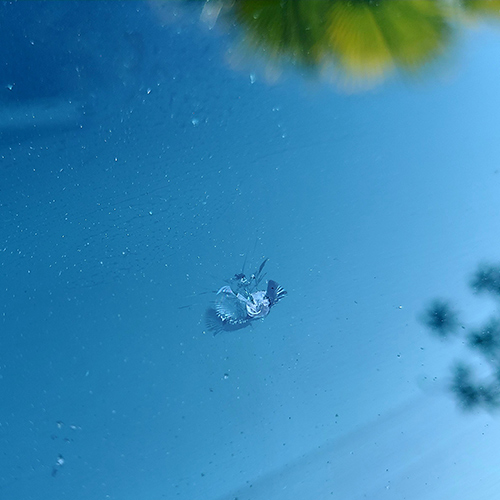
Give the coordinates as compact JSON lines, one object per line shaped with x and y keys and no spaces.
{"x":155,"y":152}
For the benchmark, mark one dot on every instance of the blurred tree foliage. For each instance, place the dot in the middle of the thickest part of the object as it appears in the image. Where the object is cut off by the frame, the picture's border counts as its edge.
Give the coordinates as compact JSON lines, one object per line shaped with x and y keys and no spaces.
{"x":292,"y":30}
{"x":473,"y":391}
{"x":481,"y":8}
{"x":360,"y":40}
{"x":363,"y":39}
{"x":369,"y":39}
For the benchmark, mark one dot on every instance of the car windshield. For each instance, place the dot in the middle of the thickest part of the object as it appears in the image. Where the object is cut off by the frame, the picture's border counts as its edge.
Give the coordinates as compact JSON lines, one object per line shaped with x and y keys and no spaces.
{"x":248,"y":249}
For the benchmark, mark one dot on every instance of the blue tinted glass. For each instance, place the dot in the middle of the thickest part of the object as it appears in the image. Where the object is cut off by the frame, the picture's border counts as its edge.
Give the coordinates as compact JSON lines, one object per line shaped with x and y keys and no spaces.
{"x":249,"y":250}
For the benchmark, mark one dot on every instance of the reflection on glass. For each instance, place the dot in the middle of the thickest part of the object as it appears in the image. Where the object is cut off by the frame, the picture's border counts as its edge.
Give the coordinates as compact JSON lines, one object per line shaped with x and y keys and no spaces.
{"x":360,"y":40}
{"x":369,"y":39}
{"x":293,"y":32}
{"x":481,"y":8}
{"x":356,"y":43}
{"x":473,"y":390}
{"x":440,"y":318}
